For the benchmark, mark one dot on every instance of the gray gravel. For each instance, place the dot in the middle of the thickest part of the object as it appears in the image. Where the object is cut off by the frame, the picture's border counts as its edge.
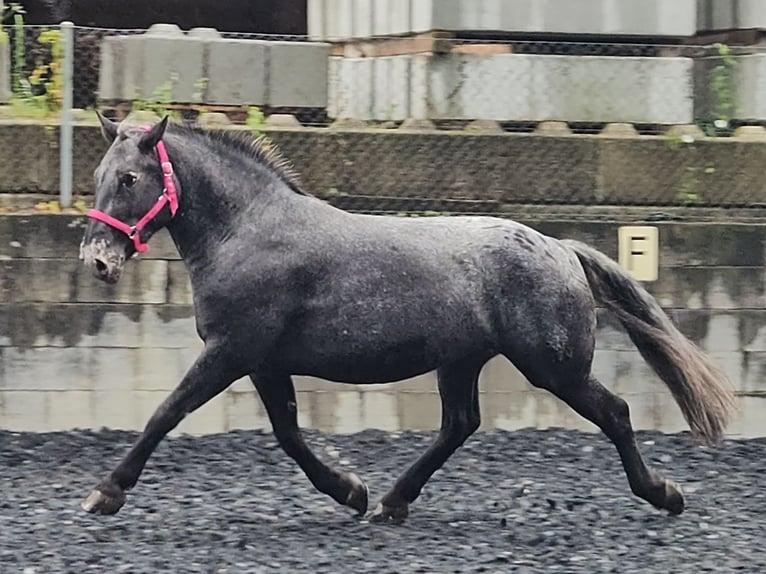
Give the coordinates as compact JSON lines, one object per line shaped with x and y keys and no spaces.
{"x":526,"y":501}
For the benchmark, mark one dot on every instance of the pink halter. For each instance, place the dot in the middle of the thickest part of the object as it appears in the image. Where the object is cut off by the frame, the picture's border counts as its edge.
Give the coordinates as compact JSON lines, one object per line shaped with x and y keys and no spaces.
{"x":169,"y":195}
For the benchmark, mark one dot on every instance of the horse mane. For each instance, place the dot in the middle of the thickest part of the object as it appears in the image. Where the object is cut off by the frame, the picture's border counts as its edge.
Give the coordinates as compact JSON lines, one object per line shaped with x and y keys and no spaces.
{"x":259,"y":148}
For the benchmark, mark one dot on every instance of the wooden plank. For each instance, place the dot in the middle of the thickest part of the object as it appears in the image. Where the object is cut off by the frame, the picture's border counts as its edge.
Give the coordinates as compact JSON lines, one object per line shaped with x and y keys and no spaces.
{"x":435,"y":42}
{"x":483,"y":49}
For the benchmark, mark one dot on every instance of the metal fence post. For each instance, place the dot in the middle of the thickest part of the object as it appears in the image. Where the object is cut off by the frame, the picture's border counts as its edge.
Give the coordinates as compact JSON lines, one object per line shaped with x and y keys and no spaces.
{"x":65,"y":119}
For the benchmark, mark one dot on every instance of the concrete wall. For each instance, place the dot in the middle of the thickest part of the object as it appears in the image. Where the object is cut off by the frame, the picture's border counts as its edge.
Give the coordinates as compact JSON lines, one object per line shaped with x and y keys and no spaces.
{"x":166,"y":64}
{"x":513,"y":87}
{"x":480,"y":171}
{"x":77,"y":353}
{"x":345,"y":19}
{"x":5,"y":68}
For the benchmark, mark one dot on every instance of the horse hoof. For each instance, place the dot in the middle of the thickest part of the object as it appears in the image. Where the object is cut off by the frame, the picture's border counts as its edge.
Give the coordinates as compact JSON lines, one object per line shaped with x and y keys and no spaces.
{"x":674,"y":498}
{"x":99,"y":503}
{"x":358,"y":495}
{"x":384,"y":513}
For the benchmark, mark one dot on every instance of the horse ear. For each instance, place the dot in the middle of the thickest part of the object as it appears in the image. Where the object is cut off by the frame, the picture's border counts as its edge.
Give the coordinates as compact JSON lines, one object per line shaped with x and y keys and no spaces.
{"x":150,"y":139}
{"x":108,"y":127}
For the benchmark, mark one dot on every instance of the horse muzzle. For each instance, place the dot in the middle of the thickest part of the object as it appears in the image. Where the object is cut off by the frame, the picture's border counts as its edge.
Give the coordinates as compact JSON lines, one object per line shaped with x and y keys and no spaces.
{"x":105,"y":262}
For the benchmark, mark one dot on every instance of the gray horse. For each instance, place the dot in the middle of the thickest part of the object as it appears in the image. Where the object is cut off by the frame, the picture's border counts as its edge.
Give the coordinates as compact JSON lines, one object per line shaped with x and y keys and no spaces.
{"x":285,"y":284}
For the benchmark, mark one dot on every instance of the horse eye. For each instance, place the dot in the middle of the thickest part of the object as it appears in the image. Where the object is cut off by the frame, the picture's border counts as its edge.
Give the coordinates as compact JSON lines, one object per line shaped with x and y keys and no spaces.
{"x":128,"y":179}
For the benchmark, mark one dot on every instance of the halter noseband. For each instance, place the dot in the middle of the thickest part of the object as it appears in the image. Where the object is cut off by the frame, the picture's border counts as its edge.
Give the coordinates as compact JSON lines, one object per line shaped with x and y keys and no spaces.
{"x":169,"y":195}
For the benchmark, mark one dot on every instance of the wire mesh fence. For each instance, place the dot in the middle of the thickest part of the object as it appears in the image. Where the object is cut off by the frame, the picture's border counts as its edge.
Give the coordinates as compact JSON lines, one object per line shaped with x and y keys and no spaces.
{"x":408,"y":124}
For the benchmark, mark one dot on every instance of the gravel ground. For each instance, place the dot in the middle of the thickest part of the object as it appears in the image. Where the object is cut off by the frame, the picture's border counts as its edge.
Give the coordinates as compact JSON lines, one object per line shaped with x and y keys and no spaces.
{"x":526,"y":501}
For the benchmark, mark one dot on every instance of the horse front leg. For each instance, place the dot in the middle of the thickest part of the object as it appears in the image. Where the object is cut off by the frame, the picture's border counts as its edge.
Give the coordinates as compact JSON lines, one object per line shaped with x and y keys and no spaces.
{"x":278,"y":395}
{"x":211,"y":373}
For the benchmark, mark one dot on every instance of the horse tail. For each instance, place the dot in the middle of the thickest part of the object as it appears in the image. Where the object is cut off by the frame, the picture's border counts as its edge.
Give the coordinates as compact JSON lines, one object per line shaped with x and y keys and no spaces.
{"x":702,"y":391}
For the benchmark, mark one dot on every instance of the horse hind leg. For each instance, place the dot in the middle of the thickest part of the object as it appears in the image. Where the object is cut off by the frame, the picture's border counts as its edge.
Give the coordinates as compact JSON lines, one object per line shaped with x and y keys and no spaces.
{"x":458,"y":389}
{"x":589,"y":398}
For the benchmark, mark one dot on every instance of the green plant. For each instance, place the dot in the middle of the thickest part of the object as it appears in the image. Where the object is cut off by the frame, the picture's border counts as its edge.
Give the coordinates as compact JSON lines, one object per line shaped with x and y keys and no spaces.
{"x":255,"y":120}
{"x":159,"y":100}
{"x":721,"y":79}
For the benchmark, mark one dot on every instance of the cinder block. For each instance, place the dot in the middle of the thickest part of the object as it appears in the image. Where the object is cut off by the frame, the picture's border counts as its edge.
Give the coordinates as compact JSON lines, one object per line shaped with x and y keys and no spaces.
{"x":298,"y":74}
{"x":236,"y":72}
{"x":5,"y":69}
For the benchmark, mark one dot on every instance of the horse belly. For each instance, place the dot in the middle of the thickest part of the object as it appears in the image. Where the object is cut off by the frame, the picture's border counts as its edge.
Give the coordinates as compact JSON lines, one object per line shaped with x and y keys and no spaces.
{"x":375,"y":353}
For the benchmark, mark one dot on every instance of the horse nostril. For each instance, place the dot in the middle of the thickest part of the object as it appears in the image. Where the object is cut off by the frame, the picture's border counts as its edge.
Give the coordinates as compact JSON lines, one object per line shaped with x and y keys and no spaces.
{"x":100,"y":266}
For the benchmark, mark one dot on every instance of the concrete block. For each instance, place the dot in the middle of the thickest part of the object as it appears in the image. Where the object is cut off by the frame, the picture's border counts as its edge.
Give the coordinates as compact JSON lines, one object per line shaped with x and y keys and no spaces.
{"x":169,"y":327}
{"x":380,"y":411}
{"x":391,"y":88}
{"x":335,"y":411}
{"x":298,"y":74}
{"x":67,"y":325}
{"x":210,"y":418}
{"x":519,"y":87}
{"x":236,"y":72}
{"x":508,"y":410}
{"x":159,"y":369}
{"x":419,"y":411}
{"x":67,"y":410}
{"x":117,"y":409}
{"x":246,"y":411}
{"x":143,"y":281}
{"x":23,"y":411}
{"x":38,"y":280}
{"x":753,"y":422}
{"x":112,"y":62}
{"x":112,"y":369}
{"x":164,"y":60}
{"x":5,"y":69}
{"x":179,"y":285}
{"x":32,"y":172}
{"x":350,"y":87}
{"x":47,"y":369}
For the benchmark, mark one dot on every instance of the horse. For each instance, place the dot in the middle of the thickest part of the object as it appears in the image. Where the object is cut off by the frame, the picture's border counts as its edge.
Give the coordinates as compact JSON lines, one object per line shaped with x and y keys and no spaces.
{"x":285,"y":284}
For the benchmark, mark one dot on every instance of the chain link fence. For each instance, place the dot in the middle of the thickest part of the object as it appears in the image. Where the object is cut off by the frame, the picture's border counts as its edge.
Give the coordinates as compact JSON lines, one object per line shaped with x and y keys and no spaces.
{"x":428,"y":124}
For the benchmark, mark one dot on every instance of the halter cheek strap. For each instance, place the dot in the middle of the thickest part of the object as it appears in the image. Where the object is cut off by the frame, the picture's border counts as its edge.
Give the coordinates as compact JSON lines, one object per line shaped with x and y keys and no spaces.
{"x":169,"y":196}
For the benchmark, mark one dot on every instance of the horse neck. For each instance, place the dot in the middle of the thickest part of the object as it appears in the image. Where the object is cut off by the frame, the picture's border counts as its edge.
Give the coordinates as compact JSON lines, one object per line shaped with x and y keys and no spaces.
{"x":214,"y":198}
